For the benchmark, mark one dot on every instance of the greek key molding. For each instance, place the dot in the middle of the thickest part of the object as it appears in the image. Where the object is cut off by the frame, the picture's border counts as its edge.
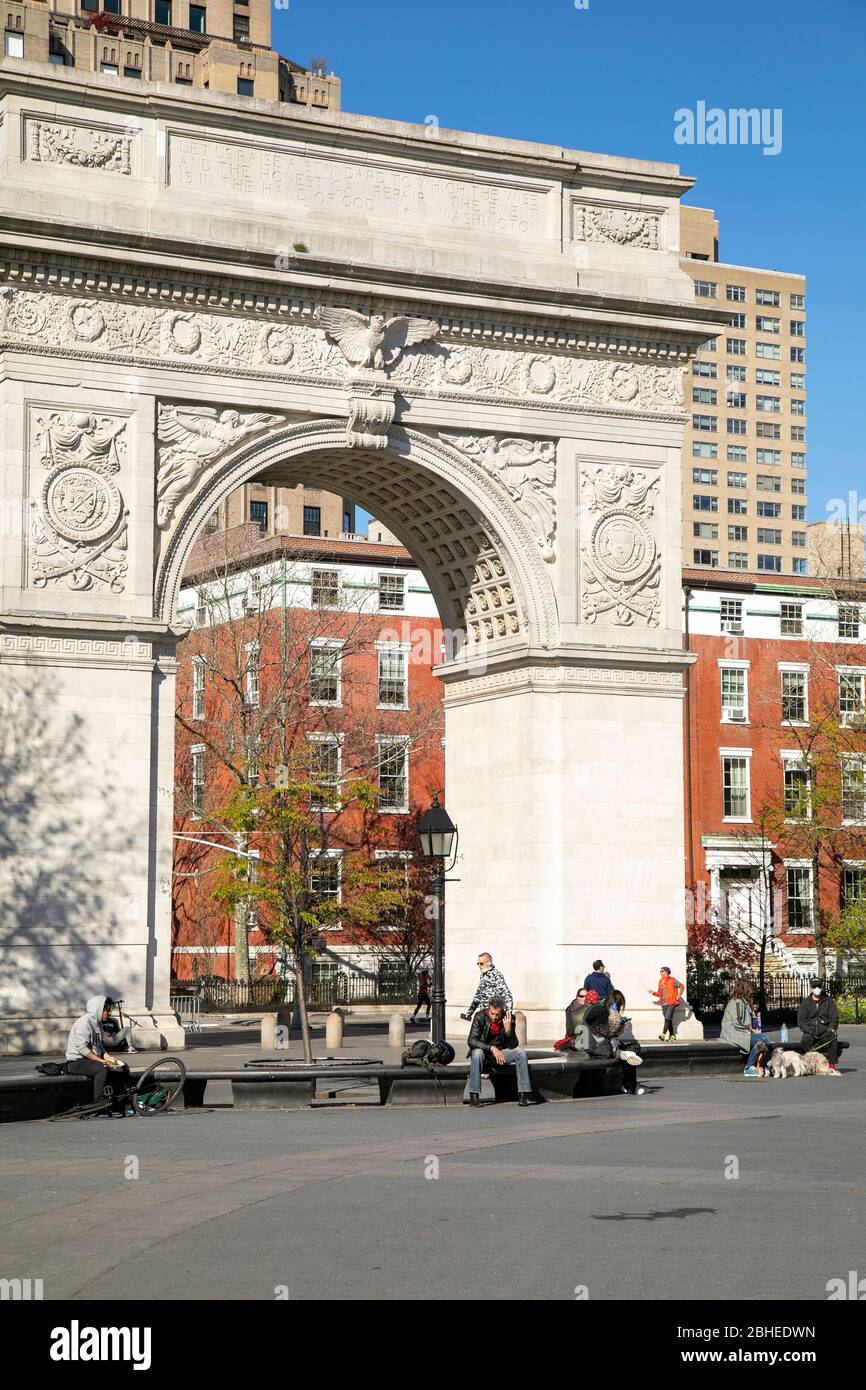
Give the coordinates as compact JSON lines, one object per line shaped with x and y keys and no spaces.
{"x":27,"y":647}
{"x":617,"y":678}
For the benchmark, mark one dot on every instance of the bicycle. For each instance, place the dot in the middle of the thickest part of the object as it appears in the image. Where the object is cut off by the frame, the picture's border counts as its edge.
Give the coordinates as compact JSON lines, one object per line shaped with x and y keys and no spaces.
{"x":151,"y":1094}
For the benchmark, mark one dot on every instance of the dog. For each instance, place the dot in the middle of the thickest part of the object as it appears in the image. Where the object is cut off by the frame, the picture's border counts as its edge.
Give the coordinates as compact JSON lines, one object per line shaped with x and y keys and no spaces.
{"x":809,"y":1064}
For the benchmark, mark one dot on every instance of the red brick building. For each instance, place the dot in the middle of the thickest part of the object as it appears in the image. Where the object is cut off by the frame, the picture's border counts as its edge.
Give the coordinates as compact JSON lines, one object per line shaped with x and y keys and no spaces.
{"x":314,"y":655}
{"x":775,"y":755}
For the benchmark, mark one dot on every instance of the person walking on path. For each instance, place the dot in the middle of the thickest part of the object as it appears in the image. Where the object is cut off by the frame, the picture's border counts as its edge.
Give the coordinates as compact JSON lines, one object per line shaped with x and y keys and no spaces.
{"x":493,"y":1043}
{"x":599,"y":980}
{"x":423,"y":994}
{"x":669,"y":996}
{"x":491,"y":986}
{"x":818,"y":1022}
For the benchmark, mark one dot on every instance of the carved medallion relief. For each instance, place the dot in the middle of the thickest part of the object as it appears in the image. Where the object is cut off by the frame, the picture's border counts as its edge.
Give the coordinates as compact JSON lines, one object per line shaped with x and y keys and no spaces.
{"x":620,"y":559}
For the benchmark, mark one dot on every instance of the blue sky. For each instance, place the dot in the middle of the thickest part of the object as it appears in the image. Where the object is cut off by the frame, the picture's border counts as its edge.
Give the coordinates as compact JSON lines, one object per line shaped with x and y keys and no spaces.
{"x":609,"y":78}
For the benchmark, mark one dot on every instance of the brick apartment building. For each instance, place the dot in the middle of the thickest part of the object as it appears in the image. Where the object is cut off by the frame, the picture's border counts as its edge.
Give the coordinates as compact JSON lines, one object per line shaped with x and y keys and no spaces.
{"x":324,"y":650}
{"x":775,"y":754}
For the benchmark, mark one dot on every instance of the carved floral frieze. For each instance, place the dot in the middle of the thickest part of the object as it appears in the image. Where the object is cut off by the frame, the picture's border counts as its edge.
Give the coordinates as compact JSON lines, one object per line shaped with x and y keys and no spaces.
{"x":83,"y":146}
{"x":615,"y":226}
{"x":78,"y":520}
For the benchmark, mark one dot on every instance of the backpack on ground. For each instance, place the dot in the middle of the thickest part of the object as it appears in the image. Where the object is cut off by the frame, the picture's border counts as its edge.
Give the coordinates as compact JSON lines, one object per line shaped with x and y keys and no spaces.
{"x":427,"y":1055}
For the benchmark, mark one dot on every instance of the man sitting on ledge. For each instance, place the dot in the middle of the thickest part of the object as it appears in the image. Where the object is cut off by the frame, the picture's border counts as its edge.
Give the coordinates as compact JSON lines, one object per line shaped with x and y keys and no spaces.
{"x":493,"y":1043}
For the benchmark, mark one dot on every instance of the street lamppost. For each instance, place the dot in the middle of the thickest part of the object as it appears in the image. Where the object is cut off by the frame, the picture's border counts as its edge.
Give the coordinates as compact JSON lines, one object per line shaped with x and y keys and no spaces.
{"x":438,"y":834}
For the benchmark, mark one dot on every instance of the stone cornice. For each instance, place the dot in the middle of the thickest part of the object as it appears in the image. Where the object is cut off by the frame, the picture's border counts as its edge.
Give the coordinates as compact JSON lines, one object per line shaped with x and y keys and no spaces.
{"x":672,"y":661}
{"x":566,"y":322}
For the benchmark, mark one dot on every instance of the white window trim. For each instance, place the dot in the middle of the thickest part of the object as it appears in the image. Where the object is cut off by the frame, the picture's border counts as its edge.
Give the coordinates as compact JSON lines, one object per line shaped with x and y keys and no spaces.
{"x":860,"y":672}
{"x":253,"y":698}
{"x":403,"y":856}
{"x":405,"y":648}
{"x":338,"y":855}
{"x":335,"y":643}
{"x":337,"y":739}
{"x":851,"y":758}
{"x":194,"y":749}
{"x":199,"y":665}
{"x":798,"y":864}
{"x":795,"y":668}
{"x":327,"y":569}
{"x":794,"y":755}
{"x":395,"y":574}
{"x":738,"y":753}
{"x":405,"y":740}
{"x":733,"y":665}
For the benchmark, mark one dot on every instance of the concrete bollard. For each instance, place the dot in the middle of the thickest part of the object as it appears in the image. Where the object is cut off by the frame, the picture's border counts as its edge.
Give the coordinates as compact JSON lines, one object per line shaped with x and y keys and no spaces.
{"x":269,"y":1032}
{"x":520,"y":1027}
{"x":334,"y":1031}
{"x":397,"y":1031}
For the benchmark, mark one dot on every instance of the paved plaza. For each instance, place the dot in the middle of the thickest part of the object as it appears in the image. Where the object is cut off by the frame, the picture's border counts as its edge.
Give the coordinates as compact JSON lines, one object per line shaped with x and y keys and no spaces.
{"x":625,"y":1196}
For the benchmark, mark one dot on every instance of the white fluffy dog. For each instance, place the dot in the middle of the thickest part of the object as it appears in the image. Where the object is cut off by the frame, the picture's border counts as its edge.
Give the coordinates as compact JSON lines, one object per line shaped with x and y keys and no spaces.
{"x":807,"y":1064}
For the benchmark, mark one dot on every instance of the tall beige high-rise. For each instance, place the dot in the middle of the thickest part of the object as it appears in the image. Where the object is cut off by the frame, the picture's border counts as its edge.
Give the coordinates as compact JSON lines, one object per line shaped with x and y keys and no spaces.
{"x":744,"y":452}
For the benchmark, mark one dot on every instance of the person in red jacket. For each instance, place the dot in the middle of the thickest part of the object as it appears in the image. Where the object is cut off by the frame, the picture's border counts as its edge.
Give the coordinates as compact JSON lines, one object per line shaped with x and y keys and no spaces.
{"x":669,"y":996}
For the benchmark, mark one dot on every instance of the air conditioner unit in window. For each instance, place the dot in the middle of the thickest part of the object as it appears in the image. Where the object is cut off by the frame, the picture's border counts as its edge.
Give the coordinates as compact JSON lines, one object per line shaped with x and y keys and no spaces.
{"x":735,"y":629}
{"x":735,"y":716}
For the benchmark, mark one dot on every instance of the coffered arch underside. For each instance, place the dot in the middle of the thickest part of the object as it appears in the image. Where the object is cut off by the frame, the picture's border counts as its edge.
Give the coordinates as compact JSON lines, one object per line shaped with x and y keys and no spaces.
{"x":473,"y":545}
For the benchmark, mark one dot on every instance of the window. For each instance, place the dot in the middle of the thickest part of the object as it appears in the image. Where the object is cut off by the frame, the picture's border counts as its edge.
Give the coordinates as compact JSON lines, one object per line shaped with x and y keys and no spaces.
{"x":797,"y":787}
{"x":737,"y":453}
{"x":736,"y":400}
{"x":392,"y":678}
{"x":198,"y":19}
{"x":767,"y":325}
{"x":734,"y":685}
{"x":736,"y":293}
{"x":705,"y":422}
{"x":708,"y":476}
{"x":799,"y":894}
{"x":14,"y":45}
{"x":798,"y":461}
{"x":737,"y":427}
{"x":162,"y":11}
{"x":392,"y":592}
{"x":738,"y":560}
{"x":736,"y":373}
{"x":252,"y":676}
{"x":798,"y":381}
{"x":799,"y":540}
{"x":791,"y":619}
{"x":770,"y":298}
{"x":769,"y":404}
{"x":768,"y":350}
{"x":738,"y":506}
{"x":325,"y":672}
{"x":706,"y":289}
{"x":259,"y":513}
{"x":198,"y":670}
{"x":393,"y":774}
{"x":701,"y":450}
{"x":325,"y":588}
{"x":800,"y":566}
{"x":770,"y":564}
{"x":705,"y":530}
{"x":853,"y":883}
{"x":797,"y":354}
{"x":325,"y":760}
{"x":798,"y":407}
{"x":794,"y":696}
{"x":765,"y":377}
{"x":241,"y":28}
{"x":798,"y":486}
{"x":201,"y":607}
{"x":736,"y":347}
{"x":738,"y":533}
{"x":771,"y":509}
{"x":765,"y":430}
{"x":197,"y":758}
{"x":731,"y":614}
{"x":798,"y":513}
{"x":737,"y":480}
{"x":854,"y":788}
{"x":702,"y":502}
{"x":849,"y":620}
{"x":769,"y":535}
{"x":706,"y":557}
{"x":768,"y":482}
{"x":705,"y":369}
{"x":704,"y":395}
{"x":737,"y":321}
{"x":735,"y":786}
{"x":326,"y":878}
{"x":798,"y":328}
{"x":246,"y":88}
{"x":768,"y":458}
{"x":110,"y":69}
{"x":394,"y":865}
{"x":136,"y":72}
{"x":797,"y":301}
{"x":851,"y":698}
{"x":312,"y":521}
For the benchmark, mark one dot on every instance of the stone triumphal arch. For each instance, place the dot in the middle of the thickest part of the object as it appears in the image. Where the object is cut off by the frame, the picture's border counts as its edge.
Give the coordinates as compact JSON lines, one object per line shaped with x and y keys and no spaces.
{"x":481,"y":341}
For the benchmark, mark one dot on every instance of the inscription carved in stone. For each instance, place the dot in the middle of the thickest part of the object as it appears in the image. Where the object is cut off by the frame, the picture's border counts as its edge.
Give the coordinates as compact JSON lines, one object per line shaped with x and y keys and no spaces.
{"x":621,"y":561}
{"x":78,"y":526}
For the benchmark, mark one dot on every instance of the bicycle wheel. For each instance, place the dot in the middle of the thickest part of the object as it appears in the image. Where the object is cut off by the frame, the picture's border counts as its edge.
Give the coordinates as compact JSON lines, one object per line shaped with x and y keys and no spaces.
{"x":157,"y":1087}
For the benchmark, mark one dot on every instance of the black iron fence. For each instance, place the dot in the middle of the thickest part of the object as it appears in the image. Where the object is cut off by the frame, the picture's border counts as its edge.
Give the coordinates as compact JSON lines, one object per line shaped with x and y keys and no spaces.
{"x":781,"y":994}
{"x":326,"y":988}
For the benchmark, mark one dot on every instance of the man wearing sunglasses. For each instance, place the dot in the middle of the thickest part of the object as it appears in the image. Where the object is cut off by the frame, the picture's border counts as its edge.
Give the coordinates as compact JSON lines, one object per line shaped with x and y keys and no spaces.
{"x":491,"y":986}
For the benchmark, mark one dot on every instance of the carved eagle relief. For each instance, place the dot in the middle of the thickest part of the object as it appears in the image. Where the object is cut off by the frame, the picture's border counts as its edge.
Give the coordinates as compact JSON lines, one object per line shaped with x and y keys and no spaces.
{"x":374,"y":342}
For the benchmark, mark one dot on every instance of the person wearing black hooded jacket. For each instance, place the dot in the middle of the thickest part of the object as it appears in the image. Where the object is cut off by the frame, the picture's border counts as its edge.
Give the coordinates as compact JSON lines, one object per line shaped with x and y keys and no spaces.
{"x":818,"y":1021}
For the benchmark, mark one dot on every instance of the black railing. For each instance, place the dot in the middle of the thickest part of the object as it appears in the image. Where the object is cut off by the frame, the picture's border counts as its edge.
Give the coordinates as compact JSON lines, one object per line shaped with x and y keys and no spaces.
{"x":239,"y":996}
{"x":781,"y":996}
{"x":325,"y":990}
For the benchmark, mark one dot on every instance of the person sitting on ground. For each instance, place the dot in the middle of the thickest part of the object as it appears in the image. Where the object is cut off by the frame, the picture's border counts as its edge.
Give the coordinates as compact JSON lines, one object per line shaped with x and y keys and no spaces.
{"x":740,"y":1025}
{"x":818,"y":1021}
{"x":599,"y":980}
{"x":85,"y":1048}
{"x":493,"y":1043}
{"x":491,"y":986}
{"x":610,"y":1035}
{"x":669,"y":996}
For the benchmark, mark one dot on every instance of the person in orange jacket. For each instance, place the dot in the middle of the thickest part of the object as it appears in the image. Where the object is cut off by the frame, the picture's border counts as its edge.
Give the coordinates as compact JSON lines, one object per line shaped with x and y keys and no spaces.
{"x":669,"y":996}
